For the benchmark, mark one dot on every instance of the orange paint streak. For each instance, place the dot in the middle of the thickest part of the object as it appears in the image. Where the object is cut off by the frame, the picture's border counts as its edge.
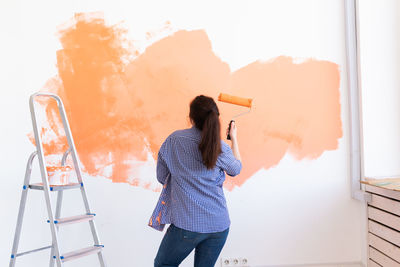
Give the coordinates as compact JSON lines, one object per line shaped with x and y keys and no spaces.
{"x":158,"y":219}
{"x":120,"y":110}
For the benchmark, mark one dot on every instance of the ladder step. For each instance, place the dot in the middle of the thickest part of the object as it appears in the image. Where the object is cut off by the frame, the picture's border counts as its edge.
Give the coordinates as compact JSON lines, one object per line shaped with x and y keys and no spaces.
{"x":39,"y":186}
{"x":73,"y":255}
{"x":74,"y":219}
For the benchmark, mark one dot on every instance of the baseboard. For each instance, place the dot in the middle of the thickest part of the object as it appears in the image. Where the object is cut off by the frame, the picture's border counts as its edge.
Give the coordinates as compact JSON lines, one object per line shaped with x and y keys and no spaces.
{"x":335,"y":264}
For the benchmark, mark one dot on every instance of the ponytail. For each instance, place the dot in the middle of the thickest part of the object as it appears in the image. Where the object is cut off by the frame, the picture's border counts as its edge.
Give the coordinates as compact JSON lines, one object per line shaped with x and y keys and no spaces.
{"x":205,"y":116}
{"x":210,"y":144}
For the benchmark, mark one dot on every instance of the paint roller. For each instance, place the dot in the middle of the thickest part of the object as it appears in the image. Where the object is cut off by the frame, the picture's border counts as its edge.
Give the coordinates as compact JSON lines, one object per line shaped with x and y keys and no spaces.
{"x":236,"y":100}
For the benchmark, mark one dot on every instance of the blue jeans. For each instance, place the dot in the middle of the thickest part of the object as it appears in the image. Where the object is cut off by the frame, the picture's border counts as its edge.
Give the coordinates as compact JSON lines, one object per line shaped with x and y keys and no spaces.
{"x":178,"y":243}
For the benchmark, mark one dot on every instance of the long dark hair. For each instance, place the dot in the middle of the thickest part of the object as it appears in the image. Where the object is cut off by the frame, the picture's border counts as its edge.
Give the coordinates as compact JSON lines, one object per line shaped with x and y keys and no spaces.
{"x":204,"y":114}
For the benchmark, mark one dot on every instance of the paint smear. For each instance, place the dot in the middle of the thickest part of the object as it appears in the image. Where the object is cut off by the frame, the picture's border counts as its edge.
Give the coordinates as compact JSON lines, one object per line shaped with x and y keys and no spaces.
{"x":121,"y":107}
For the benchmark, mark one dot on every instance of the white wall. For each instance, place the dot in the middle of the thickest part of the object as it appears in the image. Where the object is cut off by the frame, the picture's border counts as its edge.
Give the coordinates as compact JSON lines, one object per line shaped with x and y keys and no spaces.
{"x":379,"y":25}
{"x":299,"y":212}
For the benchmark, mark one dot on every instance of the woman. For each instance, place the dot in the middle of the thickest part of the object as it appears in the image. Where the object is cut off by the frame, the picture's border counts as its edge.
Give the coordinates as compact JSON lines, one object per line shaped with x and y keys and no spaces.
{"x":192,"y":163}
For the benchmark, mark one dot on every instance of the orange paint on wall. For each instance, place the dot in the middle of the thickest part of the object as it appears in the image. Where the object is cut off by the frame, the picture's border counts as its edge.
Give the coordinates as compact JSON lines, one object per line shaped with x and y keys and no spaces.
{"x":121,"y":109}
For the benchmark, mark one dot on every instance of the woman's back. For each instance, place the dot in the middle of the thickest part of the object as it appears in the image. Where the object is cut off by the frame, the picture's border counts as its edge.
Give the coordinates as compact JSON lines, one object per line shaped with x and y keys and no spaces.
{"x":197,"y":201}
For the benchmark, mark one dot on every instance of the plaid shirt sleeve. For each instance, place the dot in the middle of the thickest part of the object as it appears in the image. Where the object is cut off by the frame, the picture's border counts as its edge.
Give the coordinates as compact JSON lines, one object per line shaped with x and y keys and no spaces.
{"x":228,"y":162}
{"x":162,"y":169}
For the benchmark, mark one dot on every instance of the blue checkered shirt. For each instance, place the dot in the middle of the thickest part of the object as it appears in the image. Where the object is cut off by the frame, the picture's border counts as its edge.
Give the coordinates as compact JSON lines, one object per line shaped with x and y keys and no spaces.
{"x":196,"y":200}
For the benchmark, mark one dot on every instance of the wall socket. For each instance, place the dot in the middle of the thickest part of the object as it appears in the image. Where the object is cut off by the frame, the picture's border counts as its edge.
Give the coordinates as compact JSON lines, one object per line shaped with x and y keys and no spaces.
{"x":234,"y":262}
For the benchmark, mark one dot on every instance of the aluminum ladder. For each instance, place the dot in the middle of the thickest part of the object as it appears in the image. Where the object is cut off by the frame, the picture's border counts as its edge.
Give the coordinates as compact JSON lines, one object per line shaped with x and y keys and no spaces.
{"x":54,"y":220}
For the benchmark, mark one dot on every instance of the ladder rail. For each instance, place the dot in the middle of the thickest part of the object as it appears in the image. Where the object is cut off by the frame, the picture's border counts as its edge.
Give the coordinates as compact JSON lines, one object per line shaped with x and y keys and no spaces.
{"x":43,"y":171}
{"x":21,"y":211}
{"x":59,"y":204}
{"x":56,"y":216}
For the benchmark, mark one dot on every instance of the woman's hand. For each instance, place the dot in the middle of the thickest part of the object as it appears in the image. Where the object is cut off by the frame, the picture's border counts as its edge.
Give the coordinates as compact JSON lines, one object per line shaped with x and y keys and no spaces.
{"x":235,"y":144}
{"x":233,"y":131}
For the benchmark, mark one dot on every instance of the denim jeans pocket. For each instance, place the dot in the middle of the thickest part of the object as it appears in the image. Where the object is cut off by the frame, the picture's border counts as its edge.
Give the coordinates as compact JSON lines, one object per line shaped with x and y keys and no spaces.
{"x":189,"y":236}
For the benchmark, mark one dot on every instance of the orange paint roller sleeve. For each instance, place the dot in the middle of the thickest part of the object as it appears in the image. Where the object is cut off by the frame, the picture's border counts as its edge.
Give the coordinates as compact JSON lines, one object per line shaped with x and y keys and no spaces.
{"x":246,"y":102}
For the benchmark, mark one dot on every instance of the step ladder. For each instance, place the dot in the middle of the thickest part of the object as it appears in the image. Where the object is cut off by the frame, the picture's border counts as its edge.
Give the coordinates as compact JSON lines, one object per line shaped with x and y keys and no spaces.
{"x":54,"y":220}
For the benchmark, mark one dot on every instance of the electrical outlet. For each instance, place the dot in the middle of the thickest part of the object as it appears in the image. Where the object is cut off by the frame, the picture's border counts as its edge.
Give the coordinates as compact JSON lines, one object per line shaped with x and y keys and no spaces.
{"x":225,"y":262}
{"x":244,"y":261}
{"x":234,"y":262}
